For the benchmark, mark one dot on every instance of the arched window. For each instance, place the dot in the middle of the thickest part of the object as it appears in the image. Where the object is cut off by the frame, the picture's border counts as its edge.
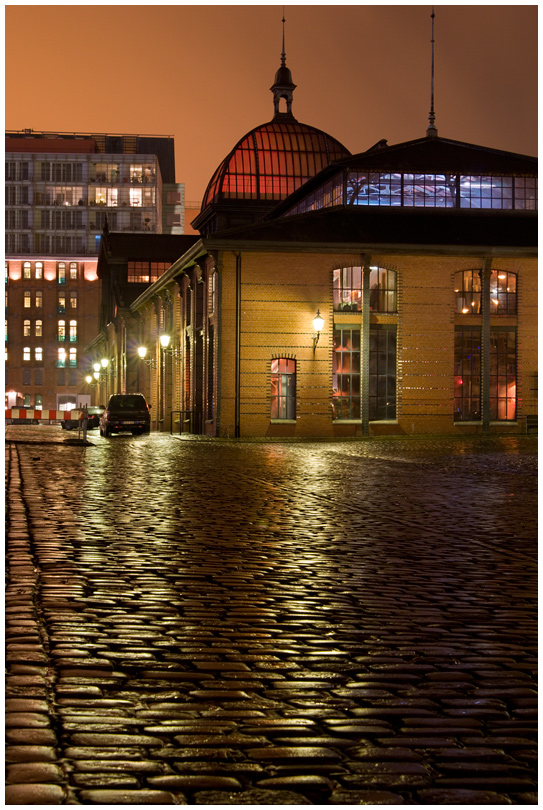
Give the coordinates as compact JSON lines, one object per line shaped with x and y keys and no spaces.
{"x":27,"y":298}
{"x":467,"y":289}
{"x":61,"y":273}
{"x":347,"y":284}
{"x":383,"y":295}
{"x":73,"y":271}
{"x":38,"y":270}
{"x":503,"y":292}
{"x":26,"y":328}
{"x":61,"y":331}
{"x":26,"y":270}
{"x":283,"y":388}
{"x":73,"y":331}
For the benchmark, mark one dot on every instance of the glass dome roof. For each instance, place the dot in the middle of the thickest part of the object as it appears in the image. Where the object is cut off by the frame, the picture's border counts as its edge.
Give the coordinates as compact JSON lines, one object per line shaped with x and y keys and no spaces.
{"x":272,"y":161}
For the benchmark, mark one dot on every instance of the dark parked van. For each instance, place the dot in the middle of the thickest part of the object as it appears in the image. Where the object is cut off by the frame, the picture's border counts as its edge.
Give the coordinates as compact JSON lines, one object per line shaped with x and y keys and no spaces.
{"x":125,"y":413}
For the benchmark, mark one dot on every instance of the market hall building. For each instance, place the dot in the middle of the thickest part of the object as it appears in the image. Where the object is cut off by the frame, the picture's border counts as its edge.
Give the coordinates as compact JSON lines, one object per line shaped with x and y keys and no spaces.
{"x":419,"y":258}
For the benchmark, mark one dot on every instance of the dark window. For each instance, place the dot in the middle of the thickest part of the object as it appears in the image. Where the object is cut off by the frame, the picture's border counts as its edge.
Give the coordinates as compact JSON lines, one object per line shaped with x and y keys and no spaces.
{"x":283,"y":388}
{"x":382,"y":374}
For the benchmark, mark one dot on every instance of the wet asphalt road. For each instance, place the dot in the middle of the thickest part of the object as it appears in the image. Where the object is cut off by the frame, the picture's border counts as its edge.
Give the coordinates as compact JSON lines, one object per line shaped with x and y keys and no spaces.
{"x":200,"y":622}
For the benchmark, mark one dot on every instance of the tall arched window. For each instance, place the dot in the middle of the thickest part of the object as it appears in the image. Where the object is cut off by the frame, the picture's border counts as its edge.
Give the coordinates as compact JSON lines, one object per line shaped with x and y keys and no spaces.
{"x":283,"y":388}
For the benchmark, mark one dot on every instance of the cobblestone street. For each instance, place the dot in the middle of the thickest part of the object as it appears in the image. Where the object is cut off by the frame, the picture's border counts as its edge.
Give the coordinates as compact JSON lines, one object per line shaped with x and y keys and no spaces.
{"x":222,"y":622}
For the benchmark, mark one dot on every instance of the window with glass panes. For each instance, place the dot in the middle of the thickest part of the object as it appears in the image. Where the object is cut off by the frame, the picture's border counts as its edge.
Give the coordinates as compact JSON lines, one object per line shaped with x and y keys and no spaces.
{"x":467,"y":375}
{"x":347,"y":289}
{"x":283,"y":388}
{"x":503,"y":293}
{"x":468,"y":292}
{"x":26,"y":328}
{"x":61,"y":273}
{"x":382,"y":372}
{"x":346,"y":373}
{"x":503,"y":375}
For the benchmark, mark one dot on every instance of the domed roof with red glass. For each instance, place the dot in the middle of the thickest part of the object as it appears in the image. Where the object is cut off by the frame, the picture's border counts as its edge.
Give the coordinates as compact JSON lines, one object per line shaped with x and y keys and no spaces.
{"x":272,"y":161}
{"x":276,"y":158}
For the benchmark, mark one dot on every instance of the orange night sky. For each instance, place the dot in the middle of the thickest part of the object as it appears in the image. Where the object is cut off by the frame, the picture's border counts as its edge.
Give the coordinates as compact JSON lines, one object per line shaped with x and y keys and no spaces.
{"x":203,"y":73}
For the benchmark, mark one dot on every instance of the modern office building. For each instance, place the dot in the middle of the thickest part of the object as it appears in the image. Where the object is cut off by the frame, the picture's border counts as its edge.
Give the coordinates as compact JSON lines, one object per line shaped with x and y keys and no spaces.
{"x":332,"y":295}
{"x":61,"y":189}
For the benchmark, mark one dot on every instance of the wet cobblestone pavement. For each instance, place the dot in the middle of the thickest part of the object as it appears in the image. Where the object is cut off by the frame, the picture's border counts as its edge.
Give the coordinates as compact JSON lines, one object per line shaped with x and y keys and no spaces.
{"x":197,"y":622}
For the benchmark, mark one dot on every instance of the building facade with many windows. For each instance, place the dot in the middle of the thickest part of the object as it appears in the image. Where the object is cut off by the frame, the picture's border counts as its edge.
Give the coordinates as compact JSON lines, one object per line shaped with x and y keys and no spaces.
{"x":60,"y":191}
{"x":389,"y":292}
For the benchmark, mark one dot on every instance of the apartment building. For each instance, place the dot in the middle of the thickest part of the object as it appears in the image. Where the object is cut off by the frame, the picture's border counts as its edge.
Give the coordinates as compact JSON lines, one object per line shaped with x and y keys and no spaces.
{"x":60,"y":190}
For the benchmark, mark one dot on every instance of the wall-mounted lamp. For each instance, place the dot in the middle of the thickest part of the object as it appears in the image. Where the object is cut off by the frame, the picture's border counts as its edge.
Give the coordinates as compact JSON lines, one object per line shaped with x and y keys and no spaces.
{"x":318,"y":323}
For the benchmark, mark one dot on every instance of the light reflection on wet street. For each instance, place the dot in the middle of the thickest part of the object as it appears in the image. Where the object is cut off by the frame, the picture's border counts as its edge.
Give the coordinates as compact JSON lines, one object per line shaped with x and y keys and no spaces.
{"x":318,"y":622}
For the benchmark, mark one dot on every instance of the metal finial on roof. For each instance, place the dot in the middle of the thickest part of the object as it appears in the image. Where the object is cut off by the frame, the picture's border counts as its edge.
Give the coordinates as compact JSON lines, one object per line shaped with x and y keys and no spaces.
{"x":431,"y":132}
{"x":283,"y":55}
{"x":283,"y":86}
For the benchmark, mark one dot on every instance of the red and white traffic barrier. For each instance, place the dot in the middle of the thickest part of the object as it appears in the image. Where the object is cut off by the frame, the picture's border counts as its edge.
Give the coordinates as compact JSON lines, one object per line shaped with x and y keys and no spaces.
{"x":40,"y":415}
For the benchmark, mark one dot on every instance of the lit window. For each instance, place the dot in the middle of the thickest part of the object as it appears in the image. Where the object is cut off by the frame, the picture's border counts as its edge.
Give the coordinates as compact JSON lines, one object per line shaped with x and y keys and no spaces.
{"x":27,"y":299}
{"x":73,"y":357}
{"x":467,"y":375}
{"x":348,"y":289}
{"x":136,"y":197}
{"x":468,"y":292}
{"x":73,"y":299}
{"x":38,"y":271}
{"x":383,"y":290}
{"x":61,"y":306}
{"x":503,"y":375}
{"x":26,"y":353}
{"x":38,"y":354}
{"x":26,"y":328}
{"x":73,"y":331}
{"x":73,"y":271}
{"x":283,"y":388}
{"x":39,"y":299}
{"x":347,"y":283}
{"x":346,"y":373}
{"x":61,"y":331}
{"x":7,"y":272}
{"x":39,"y":397}
{"x":503,"y":293}
{"x":61,"y":273}
{"x":61,"y":358}
{"x":38,"y":328}
{"x":6,"y":330}
{"x":27,"y":271}
{"x":26,"y":400}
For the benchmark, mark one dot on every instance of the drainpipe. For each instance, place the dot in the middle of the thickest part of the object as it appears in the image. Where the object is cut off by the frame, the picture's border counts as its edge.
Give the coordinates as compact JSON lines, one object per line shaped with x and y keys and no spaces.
{"x":238,"y":347}
{"x":485,"y":343}
{"x":365,"y":348}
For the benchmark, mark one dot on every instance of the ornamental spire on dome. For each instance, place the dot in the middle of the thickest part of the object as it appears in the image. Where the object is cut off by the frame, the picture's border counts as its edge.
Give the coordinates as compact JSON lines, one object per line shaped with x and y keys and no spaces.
{"x":283,"y":86}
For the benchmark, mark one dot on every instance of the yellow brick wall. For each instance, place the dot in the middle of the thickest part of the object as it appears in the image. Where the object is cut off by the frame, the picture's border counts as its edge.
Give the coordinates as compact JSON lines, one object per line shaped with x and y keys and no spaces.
{"x":281,"y":293}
